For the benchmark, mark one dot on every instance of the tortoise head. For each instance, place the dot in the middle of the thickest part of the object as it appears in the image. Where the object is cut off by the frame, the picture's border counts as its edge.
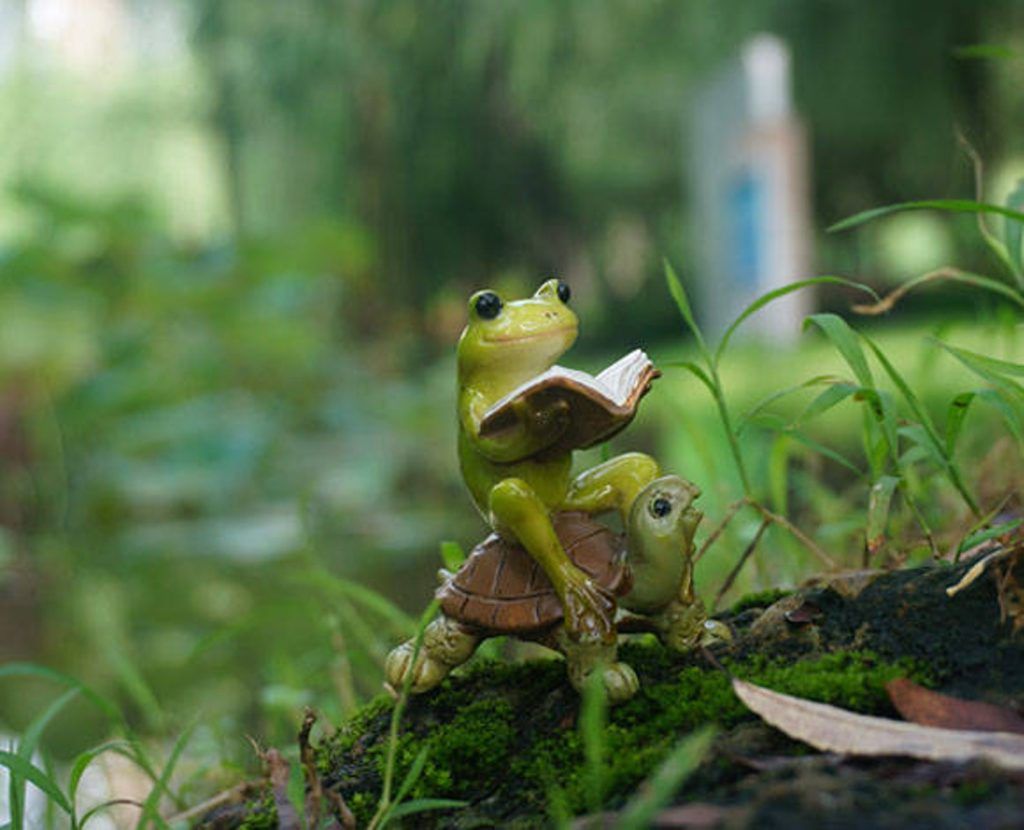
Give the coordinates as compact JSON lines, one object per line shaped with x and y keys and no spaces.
{"x":660,"y":532}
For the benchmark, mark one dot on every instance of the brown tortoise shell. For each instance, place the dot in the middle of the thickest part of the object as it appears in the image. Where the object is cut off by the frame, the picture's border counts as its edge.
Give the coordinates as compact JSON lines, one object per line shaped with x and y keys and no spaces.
{"x":501,"y":589}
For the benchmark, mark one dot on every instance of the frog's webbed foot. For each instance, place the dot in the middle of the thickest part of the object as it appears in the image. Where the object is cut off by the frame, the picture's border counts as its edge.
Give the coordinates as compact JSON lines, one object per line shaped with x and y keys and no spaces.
{"x":446,"y":644}
{"x":589,"y":611}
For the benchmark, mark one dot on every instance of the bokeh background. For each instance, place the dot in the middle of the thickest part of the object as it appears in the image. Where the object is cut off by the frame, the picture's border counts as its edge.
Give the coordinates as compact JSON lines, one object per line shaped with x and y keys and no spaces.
{"x":236,"y":240}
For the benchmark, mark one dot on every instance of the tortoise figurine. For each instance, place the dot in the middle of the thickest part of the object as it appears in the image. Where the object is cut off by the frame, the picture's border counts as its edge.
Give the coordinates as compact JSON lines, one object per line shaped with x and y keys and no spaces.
{"x":501,"y":589}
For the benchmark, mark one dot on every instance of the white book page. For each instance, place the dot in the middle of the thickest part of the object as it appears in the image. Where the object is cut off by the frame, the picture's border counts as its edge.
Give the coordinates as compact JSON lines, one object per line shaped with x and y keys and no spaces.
{"x":621,"y":377}
{"x":577,"y":375}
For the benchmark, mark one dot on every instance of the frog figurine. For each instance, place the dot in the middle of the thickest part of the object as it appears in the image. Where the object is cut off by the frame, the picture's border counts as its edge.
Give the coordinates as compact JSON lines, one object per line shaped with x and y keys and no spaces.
{"x":519,"y":478}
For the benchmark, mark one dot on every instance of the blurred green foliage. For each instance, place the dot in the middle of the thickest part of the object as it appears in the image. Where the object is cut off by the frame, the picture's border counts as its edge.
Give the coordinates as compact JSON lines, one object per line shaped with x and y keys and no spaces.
{"x":224,"y":457}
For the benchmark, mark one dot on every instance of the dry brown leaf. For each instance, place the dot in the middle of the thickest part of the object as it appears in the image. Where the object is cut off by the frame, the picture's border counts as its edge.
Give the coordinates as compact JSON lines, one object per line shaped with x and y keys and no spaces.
{"x":831,"y":729}
{"x":920,"y":705}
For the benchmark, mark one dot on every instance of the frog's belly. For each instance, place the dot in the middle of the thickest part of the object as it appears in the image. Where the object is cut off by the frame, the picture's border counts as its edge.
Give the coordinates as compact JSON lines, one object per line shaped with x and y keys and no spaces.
{"x":548,"y":478}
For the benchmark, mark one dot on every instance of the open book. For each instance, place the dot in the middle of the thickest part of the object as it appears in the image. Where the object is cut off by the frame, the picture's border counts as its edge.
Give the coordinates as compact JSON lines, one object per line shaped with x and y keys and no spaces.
{"x":598,"y":406}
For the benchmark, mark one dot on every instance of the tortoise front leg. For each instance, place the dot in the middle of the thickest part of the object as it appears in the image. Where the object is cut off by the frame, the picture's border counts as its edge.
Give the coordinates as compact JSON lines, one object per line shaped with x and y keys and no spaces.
{"x":446,"y":645}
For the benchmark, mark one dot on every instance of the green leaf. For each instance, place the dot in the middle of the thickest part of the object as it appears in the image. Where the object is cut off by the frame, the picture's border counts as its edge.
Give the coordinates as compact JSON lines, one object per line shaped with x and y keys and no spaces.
{"x":879,"y":500}
{"x":948,"y":205}
{"x":25,"y":770}
{"x":675,"y":288}
{"x":765,"y":299}
{"x":835,"y":394}
{"x":767,"y":401}
{"x":422,"y":805}
{"x":161,"y":786}
{"x":26,"y":749}
{"x":845,"y":340}
{"x":321,"y":579}
{"x":452,"y":555}
{"x":411,"y":777}
{"x":83,"y":759}
{"x":658,"y":790}
{"x":1012,"y":230}
{"x":990,"y":368}
{"x":988,"y":533}
{"x":984,"y":51}
{"x":958,"y":409}
{"x":697,"y":372}
{"x":824,"y":450}
{"x":1010,"y":411}
{"x":32,"y":670}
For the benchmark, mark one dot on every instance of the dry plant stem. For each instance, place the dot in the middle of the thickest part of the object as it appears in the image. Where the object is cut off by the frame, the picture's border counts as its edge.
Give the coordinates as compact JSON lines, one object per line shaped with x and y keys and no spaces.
{"x":204,"y":807}
{"x":739,"y":565}
{"x":889,"y":300}
{"x":798,"y":534}
{"x":308,"y":760}
{"x":730,"y":514}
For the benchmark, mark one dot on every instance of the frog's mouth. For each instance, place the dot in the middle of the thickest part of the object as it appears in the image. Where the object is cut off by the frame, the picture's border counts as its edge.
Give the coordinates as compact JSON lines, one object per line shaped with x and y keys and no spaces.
{"x":540,"y":335}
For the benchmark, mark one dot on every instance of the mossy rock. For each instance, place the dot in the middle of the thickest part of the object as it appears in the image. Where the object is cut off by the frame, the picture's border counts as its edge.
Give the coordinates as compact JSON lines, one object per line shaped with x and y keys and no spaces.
{"x":504,"y":739}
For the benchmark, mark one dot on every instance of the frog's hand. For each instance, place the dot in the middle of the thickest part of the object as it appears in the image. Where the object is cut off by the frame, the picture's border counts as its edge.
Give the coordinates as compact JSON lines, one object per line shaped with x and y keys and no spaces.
{"x":534,"y":430}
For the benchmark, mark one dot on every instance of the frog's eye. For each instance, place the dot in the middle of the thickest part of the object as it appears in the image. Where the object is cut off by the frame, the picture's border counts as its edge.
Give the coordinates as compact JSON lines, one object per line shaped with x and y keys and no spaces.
{"x":487,"y":305}
{"x":660,"y":507}
{"x":564,"y":293}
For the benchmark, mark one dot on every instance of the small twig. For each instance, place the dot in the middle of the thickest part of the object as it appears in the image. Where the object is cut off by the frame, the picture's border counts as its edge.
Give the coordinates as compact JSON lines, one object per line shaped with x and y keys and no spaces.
{"x":742,"y":561}
{"x":800,"y":536}
{"x":308,"y":759}
{"x":730,"y":514}
{"x":204,"y":807}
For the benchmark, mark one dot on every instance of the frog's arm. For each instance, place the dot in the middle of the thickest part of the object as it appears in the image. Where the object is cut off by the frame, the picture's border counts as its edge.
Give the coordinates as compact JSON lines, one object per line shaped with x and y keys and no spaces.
{"x":534,"y":430}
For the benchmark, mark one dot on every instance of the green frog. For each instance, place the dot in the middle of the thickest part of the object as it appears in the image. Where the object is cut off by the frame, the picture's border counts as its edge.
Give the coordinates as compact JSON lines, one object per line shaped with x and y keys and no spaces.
{"x":518,"y":477}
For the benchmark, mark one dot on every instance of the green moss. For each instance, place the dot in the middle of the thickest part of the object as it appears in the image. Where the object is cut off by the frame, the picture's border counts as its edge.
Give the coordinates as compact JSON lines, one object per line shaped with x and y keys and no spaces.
{"x":505,"y":733}
{"x":260,"y":813}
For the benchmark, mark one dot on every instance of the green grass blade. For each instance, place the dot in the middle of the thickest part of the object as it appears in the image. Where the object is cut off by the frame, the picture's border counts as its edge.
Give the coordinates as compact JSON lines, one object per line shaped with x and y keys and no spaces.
{"x":452,"y":555}
{"x":32,"y":670}
{"x":697,"y":372}
{"x":593,"y":723}
{"x":422,"y":805}
{"x":26,"y":749}
{"x":320,"y":579}
{"x":675,"y":288}
{"x":835,"y":394}
{"x":767,"y":401}
{"x":955,"y":417}
{"x":947,"y":205}
{"x":1000,"y":373}
{"x":35,"y":776}
{"x":161,"y":786}
{"x":824,"y":450}
{"x":771,"y":296}
{"x":988,"y":533}
{"x":83,"y":759}
{"x":1012,"y":232}
{"x":411,"y":777}
{"x":984,"y":51}
{"x":838,"y":331}
{"x":658,"y":790}
{"x":879,"y":501}
{"x":1009,"y":410}
{"x":952,"y":275}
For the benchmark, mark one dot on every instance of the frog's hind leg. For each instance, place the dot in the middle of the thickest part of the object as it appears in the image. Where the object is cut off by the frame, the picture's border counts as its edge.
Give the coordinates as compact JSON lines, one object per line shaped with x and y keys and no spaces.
{"x":584,"y":658}
{"x":612,"y":485}
{"x":446,"y":645}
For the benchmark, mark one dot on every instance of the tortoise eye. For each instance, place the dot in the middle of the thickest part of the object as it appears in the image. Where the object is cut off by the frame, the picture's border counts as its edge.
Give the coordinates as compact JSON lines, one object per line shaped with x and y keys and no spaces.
{"x":564,"y":293}
{"x":488,"y":305}
{"x":660,"y":507}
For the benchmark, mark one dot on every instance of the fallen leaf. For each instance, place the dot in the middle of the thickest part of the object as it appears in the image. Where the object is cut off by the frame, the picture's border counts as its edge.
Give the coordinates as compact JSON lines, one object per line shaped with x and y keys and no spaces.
{"x":928,"y":708}
{"x":831,"y":729}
